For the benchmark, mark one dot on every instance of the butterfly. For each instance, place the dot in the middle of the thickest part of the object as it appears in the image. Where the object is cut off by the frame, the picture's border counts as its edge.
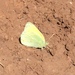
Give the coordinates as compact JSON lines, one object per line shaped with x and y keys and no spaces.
{"x":32,"y":37}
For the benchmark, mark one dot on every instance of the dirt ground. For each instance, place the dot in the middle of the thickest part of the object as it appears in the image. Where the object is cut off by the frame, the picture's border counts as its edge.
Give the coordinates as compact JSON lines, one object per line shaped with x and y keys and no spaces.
{"x":51,"y":17}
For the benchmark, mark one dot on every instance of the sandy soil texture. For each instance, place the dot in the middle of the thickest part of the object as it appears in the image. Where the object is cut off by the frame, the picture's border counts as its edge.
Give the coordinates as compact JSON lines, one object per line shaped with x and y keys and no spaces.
{"x":51,"y":17}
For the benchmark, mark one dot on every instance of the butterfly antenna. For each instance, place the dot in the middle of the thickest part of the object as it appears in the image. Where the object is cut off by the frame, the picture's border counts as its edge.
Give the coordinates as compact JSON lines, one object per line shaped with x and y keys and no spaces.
{"x":51,"y":36}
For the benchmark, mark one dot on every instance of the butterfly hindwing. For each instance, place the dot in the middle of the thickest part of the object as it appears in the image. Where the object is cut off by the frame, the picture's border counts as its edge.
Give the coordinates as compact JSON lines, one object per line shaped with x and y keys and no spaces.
{"x":32,"y":37}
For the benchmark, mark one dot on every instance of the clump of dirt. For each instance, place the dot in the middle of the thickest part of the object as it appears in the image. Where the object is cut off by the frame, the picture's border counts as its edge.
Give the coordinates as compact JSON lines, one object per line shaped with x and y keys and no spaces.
{"x":51,"y":17}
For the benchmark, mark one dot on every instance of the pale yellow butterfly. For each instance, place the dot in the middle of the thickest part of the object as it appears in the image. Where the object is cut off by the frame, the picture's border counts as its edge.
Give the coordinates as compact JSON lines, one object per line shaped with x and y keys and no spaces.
{"x":32,"y":37}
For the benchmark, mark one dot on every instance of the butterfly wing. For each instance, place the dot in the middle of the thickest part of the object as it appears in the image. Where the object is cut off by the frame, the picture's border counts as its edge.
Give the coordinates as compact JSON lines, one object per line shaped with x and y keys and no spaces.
{"x":32,"y":37}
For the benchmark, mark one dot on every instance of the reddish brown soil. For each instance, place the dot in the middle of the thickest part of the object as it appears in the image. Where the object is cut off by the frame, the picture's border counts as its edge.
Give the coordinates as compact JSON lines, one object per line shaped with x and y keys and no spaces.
{"x":51,"y":17}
